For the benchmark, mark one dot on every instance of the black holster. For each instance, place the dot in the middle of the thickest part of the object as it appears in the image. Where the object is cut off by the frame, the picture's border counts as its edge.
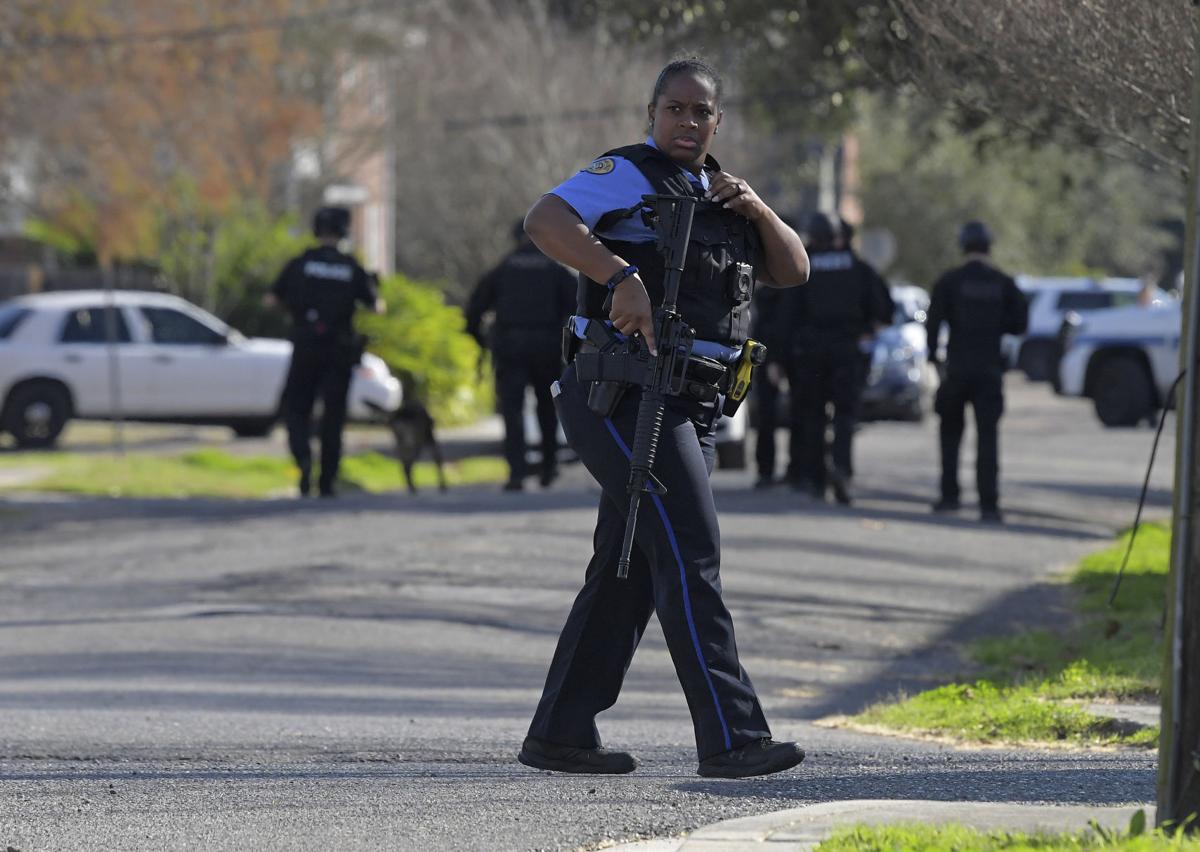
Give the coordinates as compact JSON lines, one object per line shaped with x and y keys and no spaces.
{"x":604,"y":397}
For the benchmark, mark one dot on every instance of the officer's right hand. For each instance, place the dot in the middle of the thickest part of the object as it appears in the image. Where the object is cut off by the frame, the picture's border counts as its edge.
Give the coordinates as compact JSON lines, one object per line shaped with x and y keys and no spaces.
{"x":631,"y":310}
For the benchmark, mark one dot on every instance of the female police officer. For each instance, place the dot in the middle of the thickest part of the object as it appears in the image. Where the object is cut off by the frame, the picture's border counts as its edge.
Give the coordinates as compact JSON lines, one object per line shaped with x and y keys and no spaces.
{"x":585,"y":223}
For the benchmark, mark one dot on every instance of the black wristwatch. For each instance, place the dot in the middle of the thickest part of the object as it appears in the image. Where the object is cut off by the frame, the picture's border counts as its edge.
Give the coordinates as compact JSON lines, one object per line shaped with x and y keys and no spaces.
{"x":620,"y":276}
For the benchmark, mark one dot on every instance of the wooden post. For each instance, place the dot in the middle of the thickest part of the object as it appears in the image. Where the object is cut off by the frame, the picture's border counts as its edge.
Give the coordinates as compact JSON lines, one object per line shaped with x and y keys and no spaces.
{"x":114,"y":363}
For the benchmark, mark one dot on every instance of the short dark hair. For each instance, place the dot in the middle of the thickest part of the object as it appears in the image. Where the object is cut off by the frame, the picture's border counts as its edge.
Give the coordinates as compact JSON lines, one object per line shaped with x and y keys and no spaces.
{"x":687,"y":65}
{"x":975,"y":238}
{"x":821,"y":231}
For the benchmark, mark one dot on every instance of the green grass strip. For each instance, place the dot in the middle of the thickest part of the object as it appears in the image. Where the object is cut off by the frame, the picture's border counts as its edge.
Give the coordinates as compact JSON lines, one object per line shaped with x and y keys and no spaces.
{"x":216,"y":473}
{"x":377,"y":473}
{"x":959,"y":838}
{"x":1030,"y":678}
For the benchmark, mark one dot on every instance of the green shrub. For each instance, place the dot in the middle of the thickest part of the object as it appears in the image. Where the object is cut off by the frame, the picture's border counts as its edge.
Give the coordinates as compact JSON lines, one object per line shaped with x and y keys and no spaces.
{"x":227,"y":262}
{"x":424,"y":341}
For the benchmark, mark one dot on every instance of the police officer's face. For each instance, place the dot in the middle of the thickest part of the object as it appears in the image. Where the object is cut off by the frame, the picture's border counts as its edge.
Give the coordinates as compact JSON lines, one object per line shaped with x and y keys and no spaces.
{"x":684,"y":118}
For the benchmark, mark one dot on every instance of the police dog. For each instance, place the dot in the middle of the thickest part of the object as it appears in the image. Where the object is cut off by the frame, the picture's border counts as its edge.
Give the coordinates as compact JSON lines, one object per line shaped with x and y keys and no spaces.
{"x":413,"y":428}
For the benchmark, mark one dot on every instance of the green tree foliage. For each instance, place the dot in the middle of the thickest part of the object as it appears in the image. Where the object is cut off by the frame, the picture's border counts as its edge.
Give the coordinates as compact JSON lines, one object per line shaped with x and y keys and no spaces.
{"x":424,"y":341}
{"x":250,"y":247}
{"x":797,"y":63}
{"x":227,"y":261}
{"x":1055,"y":209}
{"x":65,"y":242}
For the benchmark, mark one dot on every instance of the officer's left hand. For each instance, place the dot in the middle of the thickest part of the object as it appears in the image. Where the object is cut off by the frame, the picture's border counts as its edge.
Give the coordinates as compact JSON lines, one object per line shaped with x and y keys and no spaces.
{"x":737,"y":195}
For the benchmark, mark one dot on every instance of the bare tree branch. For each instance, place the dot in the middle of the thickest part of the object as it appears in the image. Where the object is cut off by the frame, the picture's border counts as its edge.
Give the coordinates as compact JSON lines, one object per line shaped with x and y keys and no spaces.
{"x":1106,"y":68}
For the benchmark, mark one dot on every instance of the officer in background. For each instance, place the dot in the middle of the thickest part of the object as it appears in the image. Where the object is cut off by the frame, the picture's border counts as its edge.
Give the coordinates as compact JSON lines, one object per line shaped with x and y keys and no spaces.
{"x":531,"y":297}
{"x":979,"y":303}
{"x":831,"y":315}
{"x":320,"y":290}
{"x":771,"y":312}
{"x":881,"y":302}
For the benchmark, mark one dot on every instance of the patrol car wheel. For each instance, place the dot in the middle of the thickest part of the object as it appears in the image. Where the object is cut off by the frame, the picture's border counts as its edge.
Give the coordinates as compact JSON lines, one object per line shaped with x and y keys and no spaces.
{"x":1123,"y":395}
{"x":258,"y":428}
{"x":1039,"y":360}
{"x":731,"y":455}
{"x":36,"y":413}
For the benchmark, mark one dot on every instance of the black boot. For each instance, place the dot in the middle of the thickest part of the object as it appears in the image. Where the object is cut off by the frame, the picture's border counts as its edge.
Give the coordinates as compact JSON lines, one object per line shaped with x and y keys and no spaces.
{"x":761,"y":757}
{"x":597,"y":761}
{"x":991,"y":515}
{"x":840,"y":481}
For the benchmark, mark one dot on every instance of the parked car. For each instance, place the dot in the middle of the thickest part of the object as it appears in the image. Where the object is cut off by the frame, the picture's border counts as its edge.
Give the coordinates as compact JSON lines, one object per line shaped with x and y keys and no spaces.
{"x":731,"y":438}
{"x":170,"y":362}
{"x":900,"y":380}
{"x":1124,"y":359}
{"x":1037,"y":352}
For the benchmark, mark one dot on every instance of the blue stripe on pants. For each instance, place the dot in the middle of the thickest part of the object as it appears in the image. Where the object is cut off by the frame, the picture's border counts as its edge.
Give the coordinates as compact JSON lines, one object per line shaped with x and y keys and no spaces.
{"x":687,"y":601}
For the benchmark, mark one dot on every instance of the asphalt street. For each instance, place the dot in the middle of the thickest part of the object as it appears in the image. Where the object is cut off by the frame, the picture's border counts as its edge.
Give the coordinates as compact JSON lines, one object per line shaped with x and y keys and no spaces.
{"x":359,"y":673}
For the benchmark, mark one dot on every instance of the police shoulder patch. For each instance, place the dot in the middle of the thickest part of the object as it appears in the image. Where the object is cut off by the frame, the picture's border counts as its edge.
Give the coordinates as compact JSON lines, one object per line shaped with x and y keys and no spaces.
{"x":601,"y":167}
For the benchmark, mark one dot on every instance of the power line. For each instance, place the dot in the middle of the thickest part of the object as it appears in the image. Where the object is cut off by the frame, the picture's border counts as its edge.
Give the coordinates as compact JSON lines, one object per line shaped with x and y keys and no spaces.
{"x":791,"y":95}
{"x":193,"y":34}
{"x":526,"y":119}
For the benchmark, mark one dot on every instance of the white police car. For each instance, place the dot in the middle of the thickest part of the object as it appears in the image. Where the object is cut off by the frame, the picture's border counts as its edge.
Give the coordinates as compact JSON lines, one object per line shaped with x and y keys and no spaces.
{"x":1123,"y":359}
{"x":169,"y":361}
{"x":1036,"y":352}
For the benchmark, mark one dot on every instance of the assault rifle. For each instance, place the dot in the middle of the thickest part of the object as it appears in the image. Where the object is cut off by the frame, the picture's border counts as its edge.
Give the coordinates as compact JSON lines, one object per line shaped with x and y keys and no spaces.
{"x":672,"y":219}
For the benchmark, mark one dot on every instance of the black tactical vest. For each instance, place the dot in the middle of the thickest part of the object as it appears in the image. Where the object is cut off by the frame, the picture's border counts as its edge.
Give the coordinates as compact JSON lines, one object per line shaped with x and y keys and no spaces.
{"x":322,"y":297}
{"x":713,"y":298}
{"x":837,"y":297}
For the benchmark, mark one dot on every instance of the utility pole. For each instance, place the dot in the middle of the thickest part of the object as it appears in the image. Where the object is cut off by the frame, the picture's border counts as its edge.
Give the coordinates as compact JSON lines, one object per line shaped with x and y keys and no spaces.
{"x":114,"y":358}
{"x":1179,"y":745}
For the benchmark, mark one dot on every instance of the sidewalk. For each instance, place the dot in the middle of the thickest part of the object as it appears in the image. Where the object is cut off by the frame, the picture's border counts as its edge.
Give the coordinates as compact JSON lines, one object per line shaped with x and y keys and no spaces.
{"x":803,"y":828}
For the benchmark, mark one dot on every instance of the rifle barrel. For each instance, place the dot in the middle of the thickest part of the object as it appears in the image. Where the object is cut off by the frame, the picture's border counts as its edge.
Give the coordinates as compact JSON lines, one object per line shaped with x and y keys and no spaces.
{"x":673,"y":224}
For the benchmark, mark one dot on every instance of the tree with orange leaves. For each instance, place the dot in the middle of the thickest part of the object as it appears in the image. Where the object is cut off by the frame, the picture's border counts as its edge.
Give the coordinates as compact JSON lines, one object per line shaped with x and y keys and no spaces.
{"x":126,"y":101}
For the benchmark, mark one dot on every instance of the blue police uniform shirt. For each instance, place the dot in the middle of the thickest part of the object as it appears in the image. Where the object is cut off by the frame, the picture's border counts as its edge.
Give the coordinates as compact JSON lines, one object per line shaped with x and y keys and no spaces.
{"x":614,"y":183}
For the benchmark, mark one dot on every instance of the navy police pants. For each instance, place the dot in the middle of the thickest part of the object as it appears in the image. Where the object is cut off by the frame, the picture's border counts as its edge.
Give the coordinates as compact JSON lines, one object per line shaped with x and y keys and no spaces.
{"x":513,"y":375}
{"x":675,"y":572}
{"x":984,"y":390}
{"x":824,"y":370}
{"x":320,"y":370}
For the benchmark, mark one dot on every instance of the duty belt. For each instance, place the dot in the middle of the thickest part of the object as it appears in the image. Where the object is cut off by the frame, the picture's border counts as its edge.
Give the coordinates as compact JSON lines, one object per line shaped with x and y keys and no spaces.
{"x":601,"y":354}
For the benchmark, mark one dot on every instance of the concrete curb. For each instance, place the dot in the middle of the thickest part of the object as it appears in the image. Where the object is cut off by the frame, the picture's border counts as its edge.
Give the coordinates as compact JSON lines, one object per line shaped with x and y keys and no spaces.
{"x":803,"y":828}
{"x":18,"y":476}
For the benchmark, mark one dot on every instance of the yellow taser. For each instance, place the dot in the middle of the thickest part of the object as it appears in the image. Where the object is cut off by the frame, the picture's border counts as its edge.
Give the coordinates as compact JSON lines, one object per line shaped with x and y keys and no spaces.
{"x":753,"y":355}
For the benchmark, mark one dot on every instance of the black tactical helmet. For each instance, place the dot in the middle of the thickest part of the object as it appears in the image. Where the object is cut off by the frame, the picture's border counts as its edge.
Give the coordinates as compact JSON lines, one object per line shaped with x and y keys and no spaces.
{"x":331,"y":222}
{"x":820,"y":230}
{"x":975,"y":237}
